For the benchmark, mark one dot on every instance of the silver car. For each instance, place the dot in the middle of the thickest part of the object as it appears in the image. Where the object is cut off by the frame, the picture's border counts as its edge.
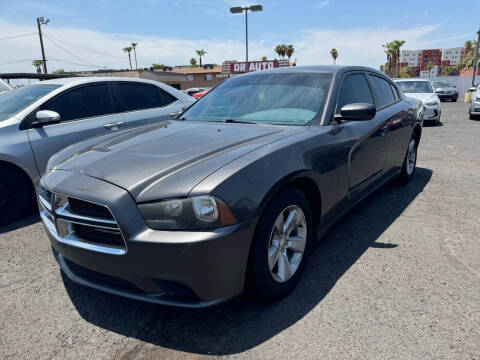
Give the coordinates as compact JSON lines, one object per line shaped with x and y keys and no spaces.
{"x":39,"y":120}
{"x":474,"y":109}
{"x":422,"y":90}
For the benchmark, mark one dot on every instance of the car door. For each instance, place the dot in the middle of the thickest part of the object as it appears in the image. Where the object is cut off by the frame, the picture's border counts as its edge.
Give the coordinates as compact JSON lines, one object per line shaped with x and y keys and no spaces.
{"x":143,"y":103}
{"x":365,"y":140}
{"x":85,"y":111}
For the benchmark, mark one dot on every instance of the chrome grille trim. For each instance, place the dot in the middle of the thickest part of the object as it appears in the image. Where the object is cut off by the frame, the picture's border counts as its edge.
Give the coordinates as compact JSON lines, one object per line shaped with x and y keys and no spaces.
{"x":51,"y":217}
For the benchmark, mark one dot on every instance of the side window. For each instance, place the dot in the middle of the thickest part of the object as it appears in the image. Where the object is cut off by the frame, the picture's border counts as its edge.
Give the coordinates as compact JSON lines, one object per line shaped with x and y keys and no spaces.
{"x":167,"y":98}
{"x":382,"y":91}
{"x":138,"y":96}
{"x":396,"y":95}
{"x":354,"y":89}
{"x":83,"y":102}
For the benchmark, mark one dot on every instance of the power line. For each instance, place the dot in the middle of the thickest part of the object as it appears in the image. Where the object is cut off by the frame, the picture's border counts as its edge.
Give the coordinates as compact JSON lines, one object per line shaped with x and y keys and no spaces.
{"x":72,"y":54}
{"x":15,"y":62}
{"x":17,"y":36}
{"x":70,"y":62}
{"x":80,"y":47}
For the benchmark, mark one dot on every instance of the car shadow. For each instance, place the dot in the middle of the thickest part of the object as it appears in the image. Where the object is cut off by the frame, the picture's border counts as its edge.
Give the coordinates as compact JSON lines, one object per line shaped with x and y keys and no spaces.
{"x":31,"y":217}
{"x":240,"y":325}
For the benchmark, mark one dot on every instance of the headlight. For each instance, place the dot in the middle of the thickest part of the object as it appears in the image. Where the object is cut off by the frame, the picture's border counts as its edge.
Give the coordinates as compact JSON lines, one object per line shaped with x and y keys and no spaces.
{"x":432,"y":103}
{"x":187,"y":214}
{"x":477,"y":98}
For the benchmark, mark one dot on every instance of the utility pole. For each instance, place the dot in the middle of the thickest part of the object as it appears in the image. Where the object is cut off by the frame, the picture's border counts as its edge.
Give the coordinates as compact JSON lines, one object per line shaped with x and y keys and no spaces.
{"x":476,"y":58}
{"x":246,"y":37}
{"x":42,"y":21}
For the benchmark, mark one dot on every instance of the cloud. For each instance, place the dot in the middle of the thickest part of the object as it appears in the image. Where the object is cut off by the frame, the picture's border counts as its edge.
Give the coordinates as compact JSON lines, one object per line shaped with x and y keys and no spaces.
{"x":361,"y":46}
{"x":320,"y":5}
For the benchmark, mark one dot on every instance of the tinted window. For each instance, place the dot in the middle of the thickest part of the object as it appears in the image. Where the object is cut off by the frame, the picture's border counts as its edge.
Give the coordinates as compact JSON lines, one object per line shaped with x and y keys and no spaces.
{"x":396,"y":94}
{"x":354,"y":89}
{"x":83,"y":102}
{"x":138,"y":96}
{"x":382,"y":91}
{"x":14,"y":101}
{"x":283,"y":98}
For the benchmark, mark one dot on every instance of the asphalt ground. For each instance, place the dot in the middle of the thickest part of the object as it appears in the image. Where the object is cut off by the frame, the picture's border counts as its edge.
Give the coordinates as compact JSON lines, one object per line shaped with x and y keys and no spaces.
{"x":397,"y":278}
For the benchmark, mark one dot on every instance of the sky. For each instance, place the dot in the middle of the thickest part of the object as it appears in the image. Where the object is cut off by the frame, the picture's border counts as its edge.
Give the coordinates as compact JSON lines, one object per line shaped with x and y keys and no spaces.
{"x":90,"y":34}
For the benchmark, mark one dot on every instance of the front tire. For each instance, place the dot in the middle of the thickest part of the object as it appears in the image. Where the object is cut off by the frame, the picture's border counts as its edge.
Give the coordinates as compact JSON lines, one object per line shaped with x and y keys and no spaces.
{"x":410,"y":162}
{"x":280,"y":247}
{"x":15,"y":195}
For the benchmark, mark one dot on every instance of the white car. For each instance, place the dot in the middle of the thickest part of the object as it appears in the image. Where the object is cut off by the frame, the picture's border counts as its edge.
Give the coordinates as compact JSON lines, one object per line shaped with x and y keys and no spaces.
{"x":474,"y":109}
{"x":4,"y":87}
{"x":422,"y":90}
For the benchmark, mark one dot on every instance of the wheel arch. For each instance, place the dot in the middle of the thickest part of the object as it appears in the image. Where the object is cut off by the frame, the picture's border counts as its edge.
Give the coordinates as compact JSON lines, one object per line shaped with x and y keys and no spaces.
{"x":8,"y":165}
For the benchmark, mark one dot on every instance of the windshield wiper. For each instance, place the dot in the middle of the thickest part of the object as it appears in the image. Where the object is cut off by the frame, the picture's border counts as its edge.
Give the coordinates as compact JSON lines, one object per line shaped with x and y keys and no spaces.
{"x":238,"y":121}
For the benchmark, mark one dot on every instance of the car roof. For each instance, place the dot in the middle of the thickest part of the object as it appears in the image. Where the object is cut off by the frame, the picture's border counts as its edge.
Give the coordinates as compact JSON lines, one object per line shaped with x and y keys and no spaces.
{"x":411,"y":79}
{"x":317,"y":68}
{"x":89,"y":79}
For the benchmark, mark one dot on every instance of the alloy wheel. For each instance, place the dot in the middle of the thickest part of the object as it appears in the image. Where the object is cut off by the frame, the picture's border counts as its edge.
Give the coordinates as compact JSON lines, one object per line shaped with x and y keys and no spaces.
{"x":411,"y":156}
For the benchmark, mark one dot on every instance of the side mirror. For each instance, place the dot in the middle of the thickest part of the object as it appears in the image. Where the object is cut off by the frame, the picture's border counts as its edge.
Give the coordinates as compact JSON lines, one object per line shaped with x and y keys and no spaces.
{"x":357,"y":112}
{"x":472,"y":89}
{"x":47,"y":116}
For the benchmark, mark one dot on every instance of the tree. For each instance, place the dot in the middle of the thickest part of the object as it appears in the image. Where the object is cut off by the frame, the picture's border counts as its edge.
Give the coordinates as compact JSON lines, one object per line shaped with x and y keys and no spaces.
{"x":158,"y":66}
{"x":447,"y":70}
{"x":61,"y":71}
{"x":38,"y":64}
{"x":134,"y":45}
{"x":469,"y":57}
{"x":429,"y":67}
{"x":128,"y":50}
{"x":281,"y":50}
{"x":382,"y":68}
{"x":334,"y":54}
{"x":405,"y":72}
{"x":289,"y":50}
{"x":264,"y":58}
{"x":193,"y":62}
{"x":392,"y":49}
{"x":200,"y":53}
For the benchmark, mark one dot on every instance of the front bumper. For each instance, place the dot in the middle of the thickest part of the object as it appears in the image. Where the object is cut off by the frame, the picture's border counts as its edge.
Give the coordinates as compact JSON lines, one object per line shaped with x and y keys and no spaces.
{"x":475,"y":108}
{"x":448,"y":96}
{"x":182,"y":268}
{"x":432,"y":113}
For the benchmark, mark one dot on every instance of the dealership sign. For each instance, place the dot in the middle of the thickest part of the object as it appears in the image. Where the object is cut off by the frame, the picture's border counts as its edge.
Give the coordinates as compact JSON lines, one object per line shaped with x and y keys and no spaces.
{"x":242,"y":67}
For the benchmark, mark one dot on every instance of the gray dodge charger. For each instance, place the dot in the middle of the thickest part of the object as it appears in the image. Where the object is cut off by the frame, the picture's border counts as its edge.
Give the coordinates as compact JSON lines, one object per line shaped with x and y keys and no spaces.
{"x":231,"y":195}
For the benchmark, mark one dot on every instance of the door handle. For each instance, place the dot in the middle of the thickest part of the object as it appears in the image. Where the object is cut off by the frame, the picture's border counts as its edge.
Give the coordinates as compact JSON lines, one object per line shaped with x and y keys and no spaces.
{"x":114,"y":125}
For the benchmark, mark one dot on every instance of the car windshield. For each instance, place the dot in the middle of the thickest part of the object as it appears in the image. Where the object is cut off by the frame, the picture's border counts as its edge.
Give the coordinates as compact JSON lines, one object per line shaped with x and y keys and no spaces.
{"x":415,"y":86}
{"x":440,"y":84}
{"x":282,"y":99}
{"x":14,"y":101}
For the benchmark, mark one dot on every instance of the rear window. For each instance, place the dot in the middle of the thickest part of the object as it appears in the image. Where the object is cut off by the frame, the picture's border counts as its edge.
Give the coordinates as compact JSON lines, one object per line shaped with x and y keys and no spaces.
{"x":382,"y":91}
{"x":415,"y":86}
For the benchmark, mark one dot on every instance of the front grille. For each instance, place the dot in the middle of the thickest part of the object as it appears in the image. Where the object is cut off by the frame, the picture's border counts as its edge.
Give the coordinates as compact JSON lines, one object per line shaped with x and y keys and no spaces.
{"x":99,"y":236}
{"x":81,"y":223}
{"x":88,"y":209}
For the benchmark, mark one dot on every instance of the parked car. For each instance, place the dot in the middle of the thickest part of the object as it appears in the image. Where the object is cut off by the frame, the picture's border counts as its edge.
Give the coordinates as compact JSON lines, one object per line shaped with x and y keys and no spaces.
{"x":474,"y":109}
{"x":199,"y":94}
{"x":4,"y":87}
{"x":422,"y":90}
{"x":192,"y":91}
{"x":445,"y":91}
{"x":37,"y":121}
{"x":233,"y":193}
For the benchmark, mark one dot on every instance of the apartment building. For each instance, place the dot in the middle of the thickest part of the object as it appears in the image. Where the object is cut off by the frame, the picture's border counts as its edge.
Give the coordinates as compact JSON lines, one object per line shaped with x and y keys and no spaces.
{"x":451,"y":57}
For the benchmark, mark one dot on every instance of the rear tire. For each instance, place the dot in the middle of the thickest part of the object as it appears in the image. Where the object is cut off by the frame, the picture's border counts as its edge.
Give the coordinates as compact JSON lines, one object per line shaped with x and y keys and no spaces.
{"x":277,"y":258}
{"x":15,"y":195}
{"x":410,"y":162}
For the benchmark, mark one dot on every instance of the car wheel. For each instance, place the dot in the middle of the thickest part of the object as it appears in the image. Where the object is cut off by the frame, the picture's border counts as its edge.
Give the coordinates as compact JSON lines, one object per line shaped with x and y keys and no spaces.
{"x":280,"y":247}
{"x":14,"y":195}
{"x":410,"y":162}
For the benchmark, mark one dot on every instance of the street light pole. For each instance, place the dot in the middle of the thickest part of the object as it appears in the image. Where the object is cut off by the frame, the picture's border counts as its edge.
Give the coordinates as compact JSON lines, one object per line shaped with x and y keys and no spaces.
{"x":239,"y":10}
{"x":42,"y":21}
{"x":476,"y":58}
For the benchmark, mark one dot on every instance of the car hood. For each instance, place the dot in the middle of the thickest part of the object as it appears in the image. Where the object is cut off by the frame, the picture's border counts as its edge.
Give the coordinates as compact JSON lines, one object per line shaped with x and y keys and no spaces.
{"x":168,"y":159}
{"x":423,"y":97}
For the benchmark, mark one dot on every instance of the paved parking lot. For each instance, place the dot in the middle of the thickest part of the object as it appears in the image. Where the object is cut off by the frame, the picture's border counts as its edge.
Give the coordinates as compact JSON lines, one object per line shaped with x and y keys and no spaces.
{"x":398,"y":278}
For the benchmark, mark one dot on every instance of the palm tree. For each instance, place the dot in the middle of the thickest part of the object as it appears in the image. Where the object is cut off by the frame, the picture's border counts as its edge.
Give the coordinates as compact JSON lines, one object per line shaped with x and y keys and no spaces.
{"x":397,"y":44}
{"x":281,"y":50}
{"x":193,"y":62}
{"x":289,"y":50}
{"x":128,"y":50}
{"x":134,"y":45}
{"x":38,"y":64}
{"x":200,"y":53}
{"x":334,"y":54}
